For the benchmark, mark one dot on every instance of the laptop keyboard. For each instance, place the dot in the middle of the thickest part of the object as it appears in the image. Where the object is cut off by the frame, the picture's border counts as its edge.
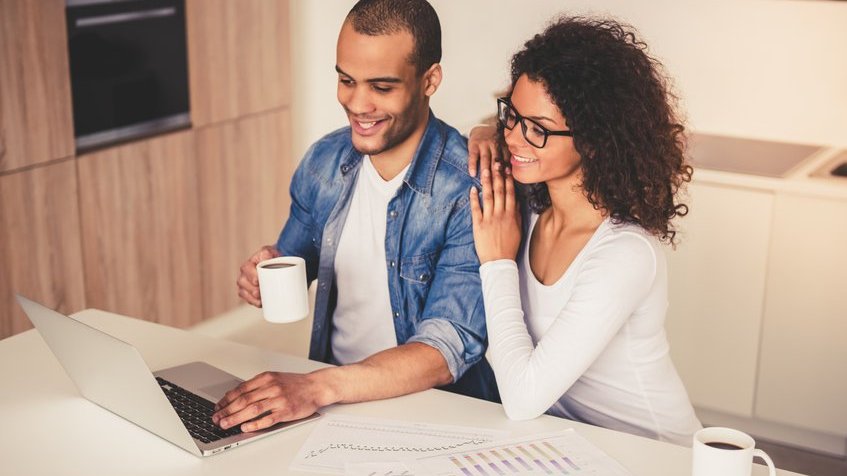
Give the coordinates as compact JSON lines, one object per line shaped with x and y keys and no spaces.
{"x":195,"y":413}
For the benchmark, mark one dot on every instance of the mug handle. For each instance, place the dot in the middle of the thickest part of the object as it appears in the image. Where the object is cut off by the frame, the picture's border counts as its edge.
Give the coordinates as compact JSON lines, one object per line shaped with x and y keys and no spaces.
{"x":764,"y":456}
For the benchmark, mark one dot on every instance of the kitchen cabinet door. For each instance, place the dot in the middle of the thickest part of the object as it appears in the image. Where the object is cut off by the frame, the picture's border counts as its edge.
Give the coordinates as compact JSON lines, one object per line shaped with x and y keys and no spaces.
{"x":716,"y":290}
{"x":238,"y":58}
{"x":40,"y":251}
{"x":36,"y":125}
{"x":140,"y":230}
{"x":803,"y":381}
{"x":245,"y":169}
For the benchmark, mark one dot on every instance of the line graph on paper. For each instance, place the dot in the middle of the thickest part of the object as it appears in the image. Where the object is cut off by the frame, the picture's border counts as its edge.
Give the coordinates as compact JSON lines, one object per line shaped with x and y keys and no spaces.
{"x":341,"y":439}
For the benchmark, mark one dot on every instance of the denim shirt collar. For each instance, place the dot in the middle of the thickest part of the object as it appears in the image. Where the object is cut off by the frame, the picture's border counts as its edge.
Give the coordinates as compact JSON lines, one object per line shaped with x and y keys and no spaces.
{"x":421,"y":171}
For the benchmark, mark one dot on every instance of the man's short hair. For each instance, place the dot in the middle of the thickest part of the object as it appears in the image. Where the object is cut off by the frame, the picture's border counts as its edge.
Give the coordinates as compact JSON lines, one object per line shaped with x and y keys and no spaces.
{"x":385,"y":17}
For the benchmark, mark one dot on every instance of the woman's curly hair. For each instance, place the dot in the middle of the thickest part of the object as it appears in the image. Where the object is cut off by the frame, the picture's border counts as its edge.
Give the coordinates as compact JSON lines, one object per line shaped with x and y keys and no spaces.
{"x":617,"y":102}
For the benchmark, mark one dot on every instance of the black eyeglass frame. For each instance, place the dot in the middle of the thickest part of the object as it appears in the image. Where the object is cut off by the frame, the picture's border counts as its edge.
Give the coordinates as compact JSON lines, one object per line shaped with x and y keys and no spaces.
{"x":506,"y":102}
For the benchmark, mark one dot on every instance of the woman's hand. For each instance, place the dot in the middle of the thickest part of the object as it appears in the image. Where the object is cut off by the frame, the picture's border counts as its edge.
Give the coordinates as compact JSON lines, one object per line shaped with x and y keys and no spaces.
{"x":497,"y":223}
{"x":482,"y":148}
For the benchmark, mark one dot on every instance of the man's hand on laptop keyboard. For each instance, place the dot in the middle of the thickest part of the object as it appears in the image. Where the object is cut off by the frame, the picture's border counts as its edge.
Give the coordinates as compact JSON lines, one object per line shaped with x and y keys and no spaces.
{"x":276,"y":395}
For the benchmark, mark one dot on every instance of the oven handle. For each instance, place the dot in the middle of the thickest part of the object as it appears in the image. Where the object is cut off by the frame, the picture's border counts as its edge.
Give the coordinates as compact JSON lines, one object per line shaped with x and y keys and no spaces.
{"x":125,"y":17}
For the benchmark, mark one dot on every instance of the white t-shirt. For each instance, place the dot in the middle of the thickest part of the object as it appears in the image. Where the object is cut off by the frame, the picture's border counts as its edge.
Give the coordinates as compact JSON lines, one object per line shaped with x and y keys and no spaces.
{"x":362,"y":322}
{"x":592,"y":346}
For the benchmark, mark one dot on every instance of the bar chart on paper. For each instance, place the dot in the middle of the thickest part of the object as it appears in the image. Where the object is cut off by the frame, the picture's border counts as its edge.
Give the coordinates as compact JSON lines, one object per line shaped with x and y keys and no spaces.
{"x":563,"y":452}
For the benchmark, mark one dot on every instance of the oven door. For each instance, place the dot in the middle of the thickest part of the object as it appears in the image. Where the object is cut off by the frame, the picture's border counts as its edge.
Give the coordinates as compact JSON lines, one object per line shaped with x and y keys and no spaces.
{"x":129,"y":72}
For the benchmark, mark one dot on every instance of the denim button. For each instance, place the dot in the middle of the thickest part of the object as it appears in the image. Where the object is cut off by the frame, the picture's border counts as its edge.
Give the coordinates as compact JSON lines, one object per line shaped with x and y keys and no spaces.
{"x":424,"y":277}
{"x":345,"y":168}
{"x":392,"y":263}
{"x":392,"y":214}
{"x":396,"y":314}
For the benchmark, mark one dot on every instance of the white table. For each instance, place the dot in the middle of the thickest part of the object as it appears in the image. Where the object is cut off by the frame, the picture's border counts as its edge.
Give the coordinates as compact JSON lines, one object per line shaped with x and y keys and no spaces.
{"x":47,"y":428}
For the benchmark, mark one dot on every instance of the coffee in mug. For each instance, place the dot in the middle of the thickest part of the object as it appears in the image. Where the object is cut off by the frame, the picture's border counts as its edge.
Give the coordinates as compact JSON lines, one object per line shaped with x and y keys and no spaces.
{"x":277,"y":265}
{"x":725,"y":452}
{"x":282,"y":285}
{"x":723,"y":446}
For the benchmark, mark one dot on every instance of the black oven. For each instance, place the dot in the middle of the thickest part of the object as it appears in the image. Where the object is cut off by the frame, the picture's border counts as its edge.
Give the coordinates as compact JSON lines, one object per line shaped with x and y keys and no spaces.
{"x":129,"y":72}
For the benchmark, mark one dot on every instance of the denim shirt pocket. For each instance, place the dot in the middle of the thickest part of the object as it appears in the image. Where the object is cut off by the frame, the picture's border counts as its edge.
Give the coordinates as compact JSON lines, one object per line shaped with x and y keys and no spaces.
{"x":418,"y":269}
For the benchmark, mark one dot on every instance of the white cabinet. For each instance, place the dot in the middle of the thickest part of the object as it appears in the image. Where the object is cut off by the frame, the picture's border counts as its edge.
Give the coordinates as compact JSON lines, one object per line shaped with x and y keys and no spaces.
{"x":716,"y":287}
{"x":803,"y":368}
{"x":757,"y":317}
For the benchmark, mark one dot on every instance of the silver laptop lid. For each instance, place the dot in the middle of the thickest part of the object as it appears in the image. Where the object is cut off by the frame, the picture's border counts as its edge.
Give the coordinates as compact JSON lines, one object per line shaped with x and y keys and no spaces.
{"x":109,"y":372}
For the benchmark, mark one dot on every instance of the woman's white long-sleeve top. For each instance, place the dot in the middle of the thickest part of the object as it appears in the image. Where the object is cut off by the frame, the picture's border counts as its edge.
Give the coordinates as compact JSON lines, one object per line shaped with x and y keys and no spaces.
{"x":592,"y":346}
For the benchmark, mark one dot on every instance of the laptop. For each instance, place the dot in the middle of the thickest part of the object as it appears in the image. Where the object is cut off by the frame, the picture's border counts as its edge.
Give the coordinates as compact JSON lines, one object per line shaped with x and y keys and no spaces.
{"x":175,"y":404}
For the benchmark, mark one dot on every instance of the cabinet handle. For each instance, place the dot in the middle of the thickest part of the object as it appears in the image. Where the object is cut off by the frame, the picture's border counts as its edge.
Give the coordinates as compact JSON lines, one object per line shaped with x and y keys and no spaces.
{"x":124,"y":17}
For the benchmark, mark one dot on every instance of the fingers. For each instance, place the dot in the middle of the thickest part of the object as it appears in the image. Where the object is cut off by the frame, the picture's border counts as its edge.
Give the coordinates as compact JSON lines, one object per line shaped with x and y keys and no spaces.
{"x":510,"y":194}
{"x":248,"y":284}
{"x":493,"y":153}
{"x":484,"y":157}
{"x":244,"y":387}
{"x":487,"y":156}
{"x":269,"y":252}
{"x":248,"y":279}
{"x":248,"y":271}
{"x":228,"y":411}
{"x":482,"y":148}
{"x":250,"y":297}
{"x":253,"y":405}
{"x":473,"y":158}
{"x":266,"y":399}
{"x":265,"y":252}
{"x":476,"y":211}
{"x":487,"y":194}
{"x":266,"y":421}
{"x":479,"y":155}
{"x":497,"y":186}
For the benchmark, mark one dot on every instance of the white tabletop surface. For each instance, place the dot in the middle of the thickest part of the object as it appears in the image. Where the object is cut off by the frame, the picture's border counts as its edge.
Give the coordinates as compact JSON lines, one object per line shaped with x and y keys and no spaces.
{"x":49,"y":429}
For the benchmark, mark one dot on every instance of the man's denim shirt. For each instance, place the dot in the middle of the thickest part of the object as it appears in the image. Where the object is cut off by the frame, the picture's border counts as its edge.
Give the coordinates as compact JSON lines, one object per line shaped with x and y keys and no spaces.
{"x":433,"y":270}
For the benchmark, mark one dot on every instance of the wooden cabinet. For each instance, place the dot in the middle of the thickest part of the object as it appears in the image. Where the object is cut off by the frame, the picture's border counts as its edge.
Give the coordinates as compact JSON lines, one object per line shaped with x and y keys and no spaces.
{"x":157,"y":228}
{"x":40,"y":251}
{"x":166,"y":222}
{"x":140,"y":230}
{"x":35,"y":98}
{"x":245,"y":168}
{"x":804,"y":343}
{"x":238,"y":58}
{"x":716,"y":288}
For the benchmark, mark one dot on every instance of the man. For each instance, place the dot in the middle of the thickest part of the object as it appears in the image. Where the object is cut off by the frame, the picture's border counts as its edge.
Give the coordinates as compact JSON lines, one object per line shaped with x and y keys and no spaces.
{"x":380,"y":213}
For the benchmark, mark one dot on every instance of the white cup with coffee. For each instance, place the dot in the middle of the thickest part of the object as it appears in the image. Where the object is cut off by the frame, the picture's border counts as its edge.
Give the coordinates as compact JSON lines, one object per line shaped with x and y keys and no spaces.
{"x":725,"y":452}
{"x":282,"y":285}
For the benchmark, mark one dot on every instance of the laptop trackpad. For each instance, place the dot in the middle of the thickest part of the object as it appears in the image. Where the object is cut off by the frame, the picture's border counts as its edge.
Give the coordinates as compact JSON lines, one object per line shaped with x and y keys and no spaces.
{"x":217,"y":391}
{"x":201,"y":378}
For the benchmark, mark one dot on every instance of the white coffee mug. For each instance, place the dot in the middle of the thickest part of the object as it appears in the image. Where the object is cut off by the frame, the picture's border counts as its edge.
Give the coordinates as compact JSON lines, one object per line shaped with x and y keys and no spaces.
{"x":725,"y":452}
{"x":282,"y":285}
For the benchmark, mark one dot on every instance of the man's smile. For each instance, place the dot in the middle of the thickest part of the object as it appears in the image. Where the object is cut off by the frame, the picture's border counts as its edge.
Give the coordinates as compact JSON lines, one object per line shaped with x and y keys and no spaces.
{"x":367,"y":127}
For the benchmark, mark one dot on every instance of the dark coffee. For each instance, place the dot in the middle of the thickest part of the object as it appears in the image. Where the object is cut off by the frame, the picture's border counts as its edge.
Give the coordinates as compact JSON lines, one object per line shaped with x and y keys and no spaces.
{"x":723,"y":446}
{"x":277,"y":265}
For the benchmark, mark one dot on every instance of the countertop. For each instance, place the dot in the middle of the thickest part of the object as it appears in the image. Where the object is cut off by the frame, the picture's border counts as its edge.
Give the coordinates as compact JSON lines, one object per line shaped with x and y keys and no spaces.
{"x":796,"y":168}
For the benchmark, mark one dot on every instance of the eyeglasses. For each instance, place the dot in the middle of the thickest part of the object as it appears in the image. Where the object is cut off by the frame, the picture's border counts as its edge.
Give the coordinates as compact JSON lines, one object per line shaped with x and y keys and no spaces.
{"x":534,"y":133}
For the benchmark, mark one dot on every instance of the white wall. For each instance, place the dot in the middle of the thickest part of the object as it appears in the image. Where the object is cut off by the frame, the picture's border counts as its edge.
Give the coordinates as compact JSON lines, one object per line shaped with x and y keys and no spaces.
{"x":771,"y":69}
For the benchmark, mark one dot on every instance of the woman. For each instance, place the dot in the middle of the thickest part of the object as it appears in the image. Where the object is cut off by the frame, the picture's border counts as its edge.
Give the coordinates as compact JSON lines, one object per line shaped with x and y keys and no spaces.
{"x":575,"y":324}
